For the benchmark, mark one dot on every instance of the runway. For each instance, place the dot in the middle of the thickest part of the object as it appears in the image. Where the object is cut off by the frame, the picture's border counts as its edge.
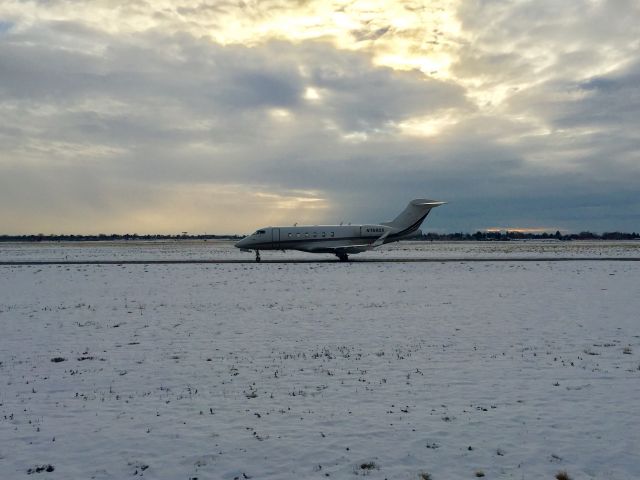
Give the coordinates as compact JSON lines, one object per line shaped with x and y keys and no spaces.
{"x":320,"y":260}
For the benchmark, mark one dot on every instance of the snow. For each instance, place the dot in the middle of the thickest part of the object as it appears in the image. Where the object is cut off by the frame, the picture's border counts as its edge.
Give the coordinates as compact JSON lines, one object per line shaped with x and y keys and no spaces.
{"x":275,"y":371}
{"x":224,"y":250}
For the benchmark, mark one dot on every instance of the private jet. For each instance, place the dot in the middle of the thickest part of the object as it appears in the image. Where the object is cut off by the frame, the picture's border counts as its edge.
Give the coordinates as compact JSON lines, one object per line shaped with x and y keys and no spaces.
{"x":340,"y":240}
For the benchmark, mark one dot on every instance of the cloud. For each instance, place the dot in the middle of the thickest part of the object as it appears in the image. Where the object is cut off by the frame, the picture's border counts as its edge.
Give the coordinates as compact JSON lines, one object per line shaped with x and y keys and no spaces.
{"x":147,"y":123}
{"x":205,"y":116}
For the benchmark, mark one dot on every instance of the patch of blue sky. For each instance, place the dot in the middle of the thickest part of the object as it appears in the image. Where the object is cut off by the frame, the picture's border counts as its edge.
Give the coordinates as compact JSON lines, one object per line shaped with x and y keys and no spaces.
{"x":5,"y":26}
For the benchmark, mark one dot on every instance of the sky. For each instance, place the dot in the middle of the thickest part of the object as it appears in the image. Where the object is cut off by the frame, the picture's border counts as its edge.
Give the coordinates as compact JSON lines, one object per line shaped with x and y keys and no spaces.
{"x":224,"y":116}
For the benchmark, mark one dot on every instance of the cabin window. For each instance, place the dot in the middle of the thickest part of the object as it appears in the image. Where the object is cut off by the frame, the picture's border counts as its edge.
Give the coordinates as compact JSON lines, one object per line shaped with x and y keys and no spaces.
{"x":332,"y":234}
{"x":289,"y":235}
{"x":324,"y":234}
{"x":298,"y":234}
{"x":306,"y":234}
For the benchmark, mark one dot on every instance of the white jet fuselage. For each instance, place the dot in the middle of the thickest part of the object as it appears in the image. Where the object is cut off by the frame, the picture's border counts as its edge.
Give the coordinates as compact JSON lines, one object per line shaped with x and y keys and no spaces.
{"x":316,"y":238}
{"x":340,"y":239}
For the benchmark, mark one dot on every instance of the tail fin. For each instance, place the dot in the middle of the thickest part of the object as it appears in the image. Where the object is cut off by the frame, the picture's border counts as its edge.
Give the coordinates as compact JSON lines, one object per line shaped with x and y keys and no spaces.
{"x":412,"y":217}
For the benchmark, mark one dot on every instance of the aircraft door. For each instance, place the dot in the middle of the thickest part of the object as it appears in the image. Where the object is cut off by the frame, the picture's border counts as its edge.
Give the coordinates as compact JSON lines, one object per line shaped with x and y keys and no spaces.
{"x":275,"y":237}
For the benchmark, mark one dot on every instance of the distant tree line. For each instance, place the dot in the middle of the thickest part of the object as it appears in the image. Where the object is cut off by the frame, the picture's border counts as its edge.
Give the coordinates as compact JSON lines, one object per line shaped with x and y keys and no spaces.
{"x":506,"y":236}
{"x":478,"y":236}
{"x":111,"y":237}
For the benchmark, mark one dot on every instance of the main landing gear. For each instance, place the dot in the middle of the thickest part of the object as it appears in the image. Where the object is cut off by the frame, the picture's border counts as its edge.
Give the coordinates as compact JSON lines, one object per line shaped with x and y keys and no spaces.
{"x":343,"y":257}
{"x":257,"y":255}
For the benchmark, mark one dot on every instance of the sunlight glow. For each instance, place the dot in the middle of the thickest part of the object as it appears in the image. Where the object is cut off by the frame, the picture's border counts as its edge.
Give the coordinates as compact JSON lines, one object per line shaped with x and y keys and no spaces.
{"x":280,"y":114}
{"x":426,"y":126}
{"x":523,"y":229}
{"x":403,"y":34}
{"x":294,"y":201}
{"x":311,"y":94}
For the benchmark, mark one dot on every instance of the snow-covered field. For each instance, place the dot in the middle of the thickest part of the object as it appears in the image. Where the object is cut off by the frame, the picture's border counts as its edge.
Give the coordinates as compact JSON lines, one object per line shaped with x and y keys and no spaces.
{"x":224,"y":250}
{"x":289,"y":371}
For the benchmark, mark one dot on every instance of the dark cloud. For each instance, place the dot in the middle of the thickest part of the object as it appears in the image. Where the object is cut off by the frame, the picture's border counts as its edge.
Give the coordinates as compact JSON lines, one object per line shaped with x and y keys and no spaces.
{"x":362,"y":35}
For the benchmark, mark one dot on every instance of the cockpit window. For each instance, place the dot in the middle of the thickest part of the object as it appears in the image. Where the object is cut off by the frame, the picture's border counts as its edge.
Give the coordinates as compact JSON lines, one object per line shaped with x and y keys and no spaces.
{"x":260,"y":232}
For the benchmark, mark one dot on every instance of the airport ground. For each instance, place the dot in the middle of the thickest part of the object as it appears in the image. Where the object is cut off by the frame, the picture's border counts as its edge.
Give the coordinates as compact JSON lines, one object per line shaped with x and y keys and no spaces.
{"x":490,"y":360}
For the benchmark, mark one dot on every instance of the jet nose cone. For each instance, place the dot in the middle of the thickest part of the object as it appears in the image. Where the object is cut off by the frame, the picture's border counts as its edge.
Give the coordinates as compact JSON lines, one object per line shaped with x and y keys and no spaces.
{"x":241,"y":243}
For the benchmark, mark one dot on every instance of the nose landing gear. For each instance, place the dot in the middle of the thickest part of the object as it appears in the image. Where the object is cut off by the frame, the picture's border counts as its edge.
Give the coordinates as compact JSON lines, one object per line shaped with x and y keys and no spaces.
{"x":257,"y":255}
{"x":343,"y":257}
